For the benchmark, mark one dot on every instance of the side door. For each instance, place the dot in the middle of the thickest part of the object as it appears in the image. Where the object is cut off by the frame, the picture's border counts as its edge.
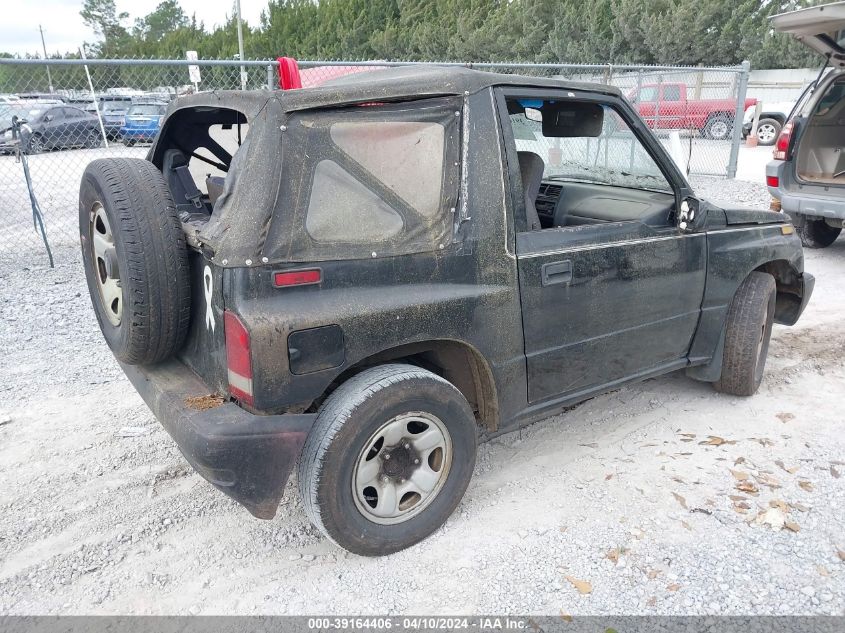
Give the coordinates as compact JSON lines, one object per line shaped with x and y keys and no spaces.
{"x":610,"y":288}
{"x":673,"y":107}
{"x":51,"y":127}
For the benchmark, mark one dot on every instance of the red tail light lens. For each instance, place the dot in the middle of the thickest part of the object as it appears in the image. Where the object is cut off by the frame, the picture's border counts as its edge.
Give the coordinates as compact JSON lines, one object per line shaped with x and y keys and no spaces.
{"x":772,"y":181}
{"x":238,"y":358}
{"x":782,"y":144}
{"x":297,"y":277}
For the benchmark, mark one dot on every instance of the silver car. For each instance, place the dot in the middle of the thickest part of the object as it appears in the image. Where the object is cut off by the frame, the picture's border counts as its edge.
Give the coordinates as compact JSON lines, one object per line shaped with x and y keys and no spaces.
{"x":807,"y":174}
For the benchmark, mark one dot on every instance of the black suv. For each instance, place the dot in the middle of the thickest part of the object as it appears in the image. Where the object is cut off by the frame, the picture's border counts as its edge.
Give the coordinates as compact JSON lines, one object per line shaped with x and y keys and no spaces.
{"x":366,"y":277}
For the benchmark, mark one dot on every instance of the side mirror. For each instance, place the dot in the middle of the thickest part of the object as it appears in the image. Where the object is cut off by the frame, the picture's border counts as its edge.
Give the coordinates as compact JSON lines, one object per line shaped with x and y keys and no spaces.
{"x":692,"y":215}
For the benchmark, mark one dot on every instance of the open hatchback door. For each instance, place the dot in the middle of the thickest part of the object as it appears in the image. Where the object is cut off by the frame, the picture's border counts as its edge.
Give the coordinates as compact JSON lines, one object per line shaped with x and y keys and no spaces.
{"x":822,"y":28}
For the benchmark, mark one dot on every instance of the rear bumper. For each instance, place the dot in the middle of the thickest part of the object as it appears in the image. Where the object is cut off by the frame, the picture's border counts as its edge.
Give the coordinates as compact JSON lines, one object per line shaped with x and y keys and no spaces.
{"x":138,"y":135}
{"x":248,"y":457}
{"x":811,"y":201}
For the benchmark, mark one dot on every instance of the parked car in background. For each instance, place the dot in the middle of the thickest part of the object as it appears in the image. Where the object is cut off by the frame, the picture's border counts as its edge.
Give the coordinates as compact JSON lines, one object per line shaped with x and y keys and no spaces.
{"x":773,"y":117}
{"x":113,"y":110}
{"x":667,"y":106}
{"x":4,"y":99}
{"x":807,"y":174}
{"x":142,"y":122}
{"x":49,"y":126}
{"x":40,"y":96}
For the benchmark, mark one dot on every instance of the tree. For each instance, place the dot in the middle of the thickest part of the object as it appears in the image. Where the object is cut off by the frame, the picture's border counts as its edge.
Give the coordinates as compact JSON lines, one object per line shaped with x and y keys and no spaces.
{"x":102,"y":16}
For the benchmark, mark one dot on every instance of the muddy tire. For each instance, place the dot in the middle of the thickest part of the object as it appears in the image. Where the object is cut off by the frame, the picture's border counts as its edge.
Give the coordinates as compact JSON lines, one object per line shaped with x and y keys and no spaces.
{"x":817,"y":233}
{"x":388,"y":459}
{"x":748,"y":330}
{"x":135,"y":259}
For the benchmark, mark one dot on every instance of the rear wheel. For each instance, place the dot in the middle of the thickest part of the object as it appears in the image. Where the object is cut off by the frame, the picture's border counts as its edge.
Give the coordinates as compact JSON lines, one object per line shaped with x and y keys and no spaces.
{"x":93,"y":139}
{"x":718,"y":127}
{"x":748,"y":330}
{"x":817,"y":233}
{"x":388,"y":459}
{"x":768,"y":131}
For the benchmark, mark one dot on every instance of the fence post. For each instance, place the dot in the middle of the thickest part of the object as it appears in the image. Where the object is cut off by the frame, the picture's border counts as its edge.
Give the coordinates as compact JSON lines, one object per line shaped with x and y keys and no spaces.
{"x":271,"y":78}
{"x":742,"y":89}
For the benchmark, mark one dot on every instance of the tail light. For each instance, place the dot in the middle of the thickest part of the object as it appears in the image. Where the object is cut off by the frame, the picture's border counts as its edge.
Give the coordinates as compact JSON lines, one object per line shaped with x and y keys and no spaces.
{"x":782,"y":144}
{"x":773,"y":181}
{"x":238,"y":358}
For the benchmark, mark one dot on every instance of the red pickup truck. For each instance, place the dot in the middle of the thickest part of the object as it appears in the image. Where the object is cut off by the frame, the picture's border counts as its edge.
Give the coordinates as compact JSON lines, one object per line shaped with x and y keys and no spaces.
{"x":665,"y":106}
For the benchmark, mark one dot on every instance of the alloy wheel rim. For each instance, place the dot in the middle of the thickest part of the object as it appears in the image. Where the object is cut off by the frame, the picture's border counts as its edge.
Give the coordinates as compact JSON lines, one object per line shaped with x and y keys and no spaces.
{"x":719,"y":130}
{"x":765,"y":133}
{"x":105,"y":265}
{"x":402,"y":468}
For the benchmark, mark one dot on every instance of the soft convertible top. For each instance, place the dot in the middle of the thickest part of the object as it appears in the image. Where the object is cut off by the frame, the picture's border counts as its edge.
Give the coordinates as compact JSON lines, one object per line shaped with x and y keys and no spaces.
{"x":239,"y":224}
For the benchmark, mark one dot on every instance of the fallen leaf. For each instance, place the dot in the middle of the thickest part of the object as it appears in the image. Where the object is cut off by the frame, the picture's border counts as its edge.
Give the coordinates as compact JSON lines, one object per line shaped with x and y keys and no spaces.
{"x":841,"y":554}
{"x":673,"y":587}
{"x":747,"y":486}
{"x":823,"y":571}
{"x":680,"y":500}
{"x":651,"y":601}
{"x":613,"y":555}
{"x":834,"y":472}
{"x":742,"y":507}
{"x":806,"y":485}
{"x":565,"y":617}
{"x":780,"y":505}
{"x":686,"y":439}
{"x":715,"y":440}
{"x":739,"y":475}
{"x":767,"y":480}
{"x":739,"y":460}
{"x":791,"y":471}
{"x":765,"y":441}
{"x":654,"y":573}
{"x":686,"y":525}
{"x":791,"y":526}
{"x":688,"y":434}
{"x":799,"y":506}
{"x":678,"y":479}
{"x":582,"y":586}
{"x":785,"y":416}
{"x":737,"y":498}
{"x":563,"y":529}
{"x":608,"y":476}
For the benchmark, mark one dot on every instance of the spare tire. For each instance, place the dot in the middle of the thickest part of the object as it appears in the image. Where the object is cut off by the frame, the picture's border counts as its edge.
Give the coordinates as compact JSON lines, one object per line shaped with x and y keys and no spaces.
{"x":135,"y":259}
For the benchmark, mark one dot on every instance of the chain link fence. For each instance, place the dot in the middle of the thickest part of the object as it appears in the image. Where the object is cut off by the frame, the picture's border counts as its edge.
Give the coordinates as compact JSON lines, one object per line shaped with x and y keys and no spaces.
{"x":78,"y":111}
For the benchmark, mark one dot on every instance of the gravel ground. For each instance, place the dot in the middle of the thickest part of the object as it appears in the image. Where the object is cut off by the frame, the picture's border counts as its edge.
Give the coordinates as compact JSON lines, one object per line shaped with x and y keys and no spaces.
{"x":659,"y":498}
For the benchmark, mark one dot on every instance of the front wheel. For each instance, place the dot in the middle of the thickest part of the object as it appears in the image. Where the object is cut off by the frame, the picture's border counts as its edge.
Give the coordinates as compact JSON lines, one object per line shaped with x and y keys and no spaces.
{"x":388,"y":459}
{"x":817,"y":233}
{"x":35,"y":144}
{"x":748,"y":330}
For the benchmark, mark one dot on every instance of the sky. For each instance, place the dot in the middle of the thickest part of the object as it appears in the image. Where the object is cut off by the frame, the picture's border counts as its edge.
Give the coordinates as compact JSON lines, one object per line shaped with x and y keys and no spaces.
{"x":64,"y":30}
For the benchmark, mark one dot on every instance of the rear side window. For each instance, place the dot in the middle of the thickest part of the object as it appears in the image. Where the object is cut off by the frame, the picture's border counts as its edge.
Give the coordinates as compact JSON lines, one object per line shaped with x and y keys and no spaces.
{"x":375,"y":179}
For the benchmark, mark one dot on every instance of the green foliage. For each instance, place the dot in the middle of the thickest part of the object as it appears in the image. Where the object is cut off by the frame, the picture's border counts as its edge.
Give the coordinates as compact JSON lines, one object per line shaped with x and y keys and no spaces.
{"x":678,"y":32}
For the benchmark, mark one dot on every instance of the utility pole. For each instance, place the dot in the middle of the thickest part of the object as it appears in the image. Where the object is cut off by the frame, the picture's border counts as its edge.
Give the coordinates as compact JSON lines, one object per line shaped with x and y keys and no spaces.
{"x":44,"y":47}
{"x":240,"y":43}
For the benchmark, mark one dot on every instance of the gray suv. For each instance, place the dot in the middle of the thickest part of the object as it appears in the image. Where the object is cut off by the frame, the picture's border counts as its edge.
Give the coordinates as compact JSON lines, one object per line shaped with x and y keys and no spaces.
{"x":807,"y":174}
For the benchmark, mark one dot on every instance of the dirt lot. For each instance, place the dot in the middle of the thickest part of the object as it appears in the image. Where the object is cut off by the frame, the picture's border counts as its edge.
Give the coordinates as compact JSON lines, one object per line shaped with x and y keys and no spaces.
{"x":632,"y":502}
